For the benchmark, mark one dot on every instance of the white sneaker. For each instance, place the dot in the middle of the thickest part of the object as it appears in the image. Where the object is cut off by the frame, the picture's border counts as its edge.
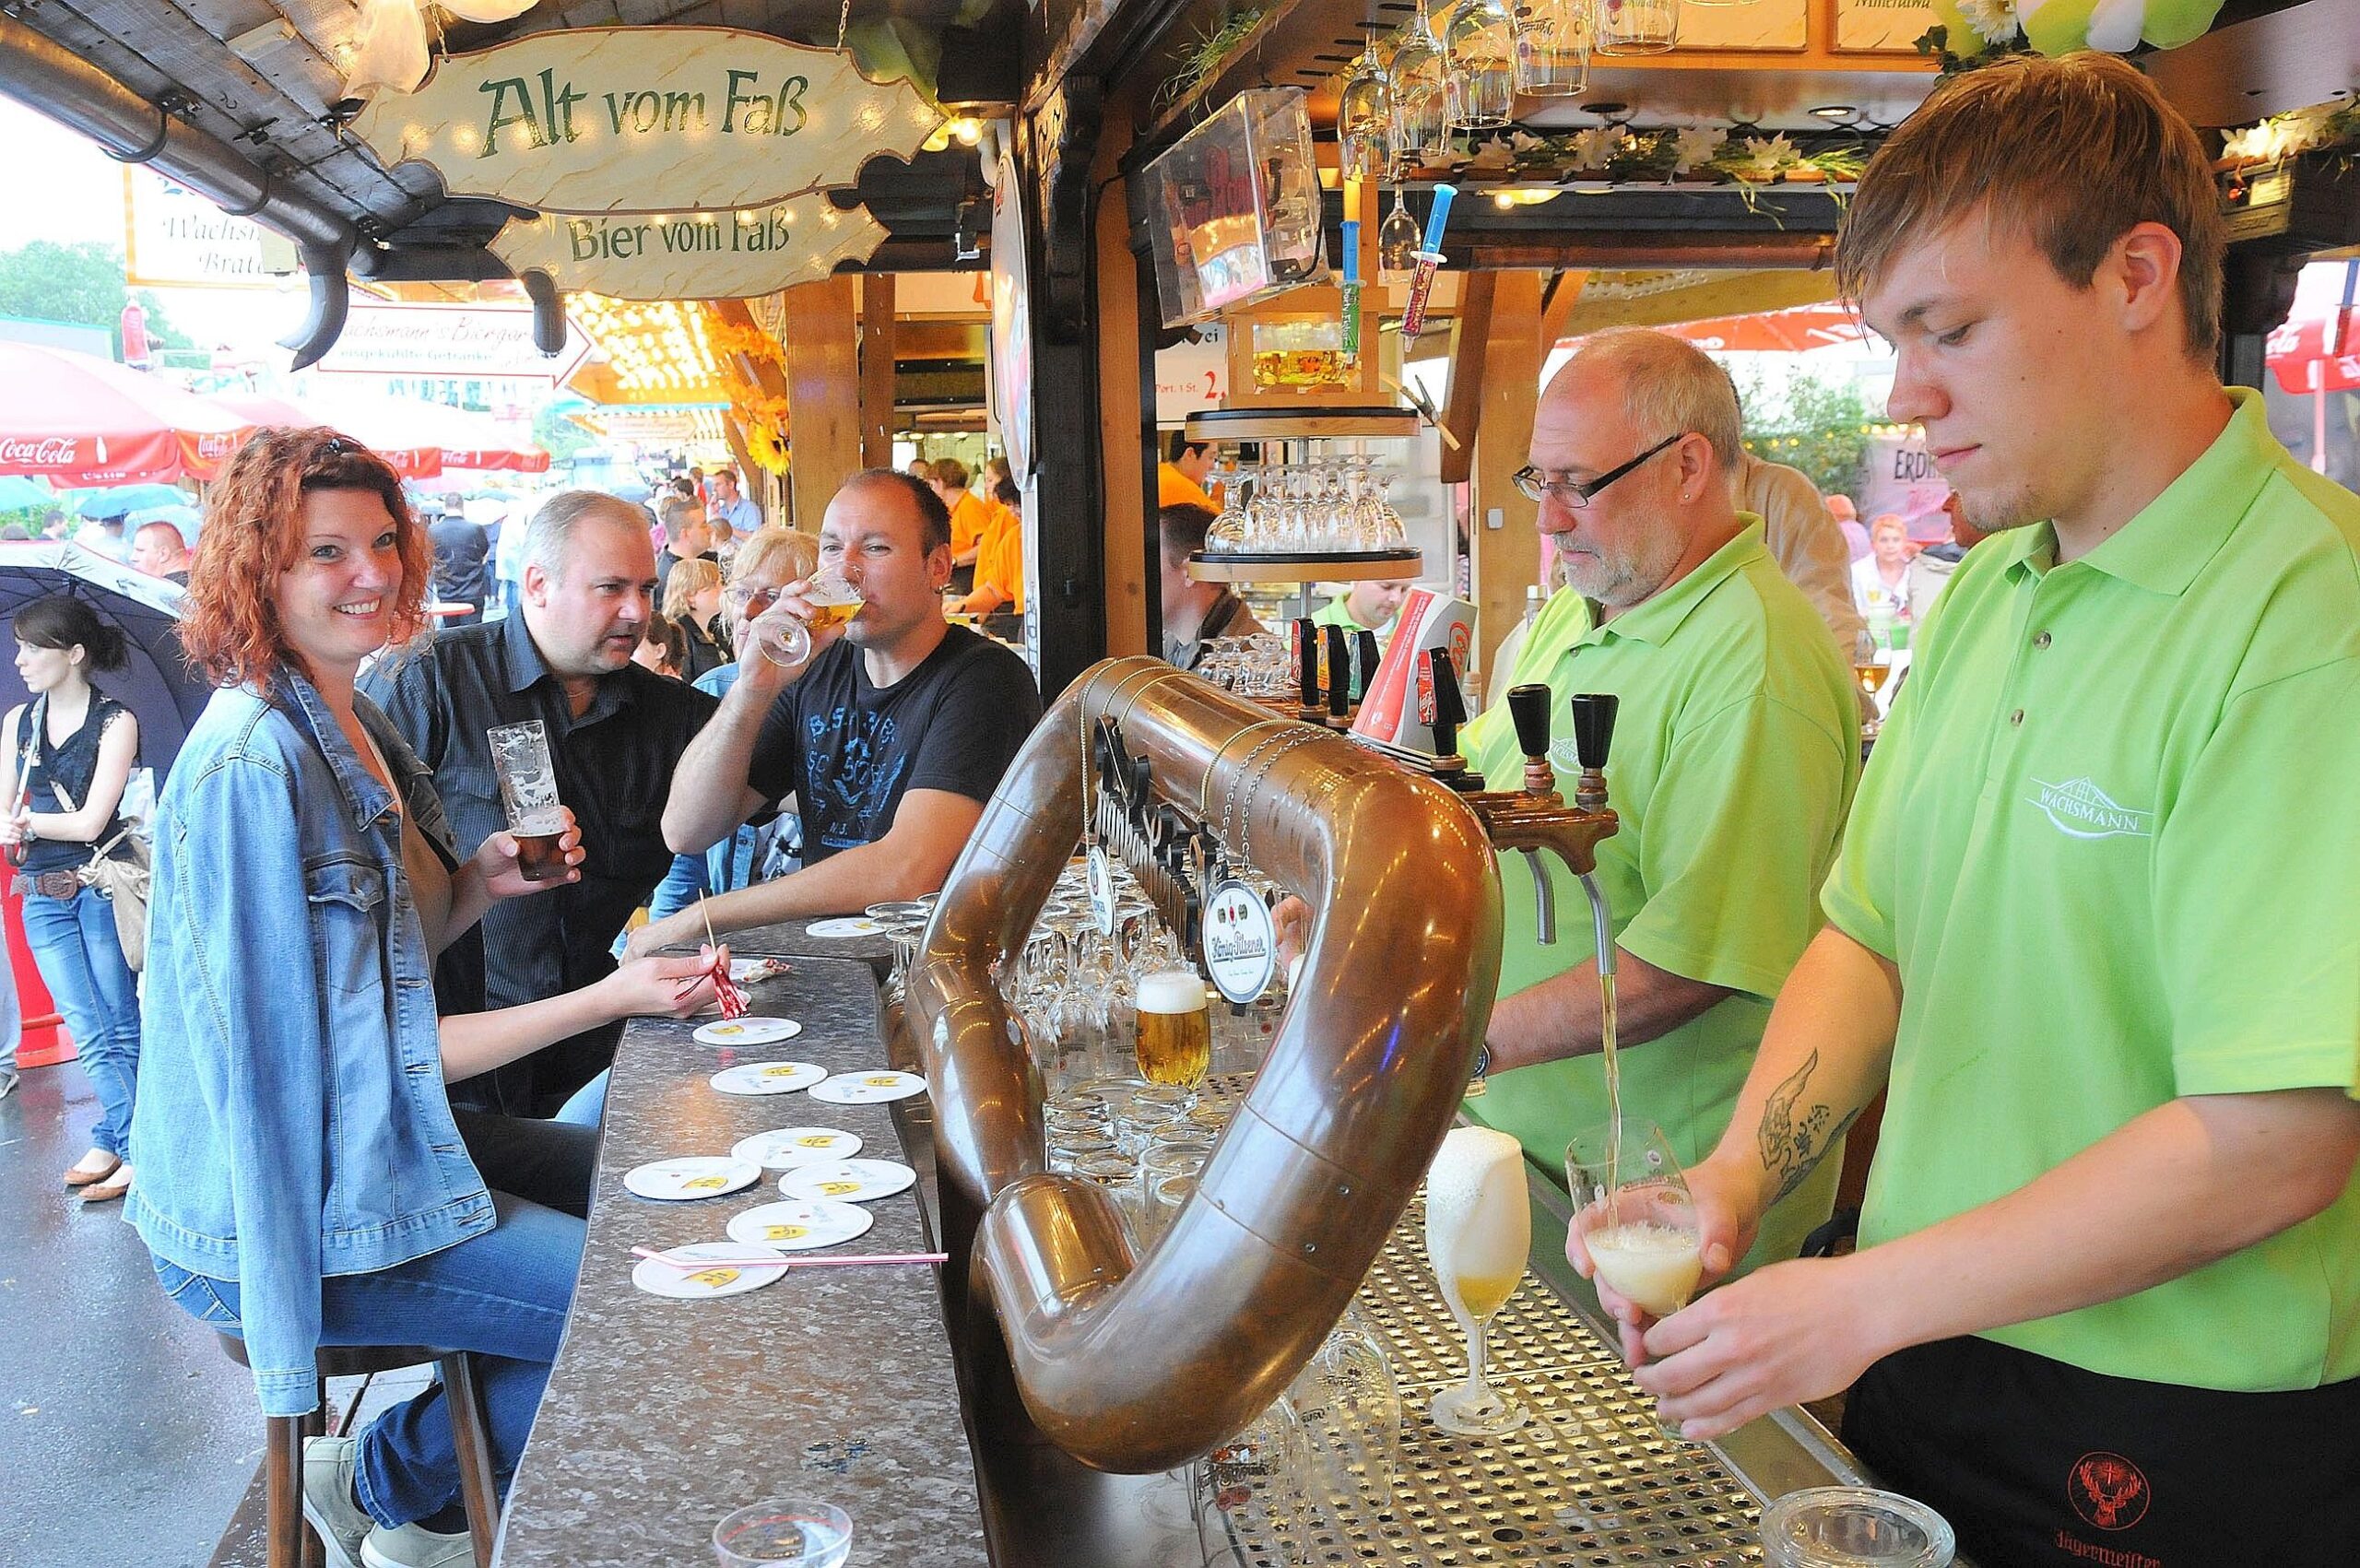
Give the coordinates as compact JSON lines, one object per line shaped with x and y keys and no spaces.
{"x":329,"y":1504}
{"x":410,"y":1546}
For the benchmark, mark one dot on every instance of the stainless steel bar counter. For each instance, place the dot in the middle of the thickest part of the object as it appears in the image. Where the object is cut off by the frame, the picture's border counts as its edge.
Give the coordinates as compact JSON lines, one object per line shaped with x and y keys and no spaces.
{"x":662,"y":1416}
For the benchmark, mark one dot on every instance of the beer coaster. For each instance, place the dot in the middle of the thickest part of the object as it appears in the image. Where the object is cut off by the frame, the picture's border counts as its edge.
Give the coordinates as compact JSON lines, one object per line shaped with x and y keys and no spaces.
{"x":868,"y":1088}
{"x":801,"y":1226}
{"x":690,"y":1176}
{"x":787,"y":1148}
{"x":747,"y":1031}
{"x":768,"y":1077}
{"x":846,"y":928}
{"x":731,"y":1274}
{"x":848,"y":1181}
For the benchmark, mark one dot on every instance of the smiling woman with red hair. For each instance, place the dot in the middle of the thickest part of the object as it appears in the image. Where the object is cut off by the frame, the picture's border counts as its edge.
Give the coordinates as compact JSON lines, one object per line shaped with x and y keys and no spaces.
{"x":304,"y":1180}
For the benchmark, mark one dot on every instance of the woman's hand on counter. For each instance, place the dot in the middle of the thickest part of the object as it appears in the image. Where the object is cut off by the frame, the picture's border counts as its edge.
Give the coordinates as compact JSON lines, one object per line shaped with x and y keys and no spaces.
{"x":674,"y":985}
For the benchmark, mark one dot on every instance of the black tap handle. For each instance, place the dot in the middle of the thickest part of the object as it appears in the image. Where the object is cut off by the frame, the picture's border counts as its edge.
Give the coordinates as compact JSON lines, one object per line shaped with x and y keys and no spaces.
{"x":1529,"y":708}
{"x":1593,"y":726}
{"x":1141,"y":790}
{"x":1450,"y":708}
{"x":1369,"y":656}
{"x":1340,"y":672}
{"x":1306,"y":658}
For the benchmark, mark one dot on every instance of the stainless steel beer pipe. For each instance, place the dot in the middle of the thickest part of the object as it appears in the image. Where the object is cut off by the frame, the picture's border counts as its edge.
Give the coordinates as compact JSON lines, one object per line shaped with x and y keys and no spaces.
{"x":1136,"y":1364}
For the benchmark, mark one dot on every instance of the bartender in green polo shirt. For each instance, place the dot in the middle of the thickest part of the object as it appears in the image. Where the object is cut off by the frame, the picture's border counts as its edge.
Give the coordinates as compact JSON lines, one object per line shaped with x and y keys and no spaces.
{"x":1374,"y":606}
{"x":2094,"y":920}
{"x":1736,"y":751}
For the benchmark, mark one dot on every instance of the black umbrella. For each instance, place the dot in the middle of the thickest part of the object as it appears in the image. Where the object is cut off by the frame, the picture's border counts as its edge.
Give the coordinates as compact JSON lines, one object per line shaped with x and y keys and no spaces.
{"x":156,"y":684}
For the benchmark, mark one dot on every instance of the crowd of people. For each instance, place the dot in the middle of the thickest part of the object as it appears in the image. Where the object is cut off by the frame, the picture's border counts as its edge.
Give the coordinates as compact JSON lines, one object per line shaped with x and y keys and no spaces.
{"x":2113,"y":1211}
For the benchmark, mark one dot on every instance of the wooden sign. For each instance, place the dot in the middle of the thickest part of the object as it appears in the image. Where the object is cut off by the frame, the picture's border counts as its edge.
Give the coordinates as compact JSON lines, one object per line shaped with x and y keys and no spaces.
{"x":646,"y":119}
{"x":1881,"y":25}
{"x":1764,"y":24}
{"x":705,"y":255}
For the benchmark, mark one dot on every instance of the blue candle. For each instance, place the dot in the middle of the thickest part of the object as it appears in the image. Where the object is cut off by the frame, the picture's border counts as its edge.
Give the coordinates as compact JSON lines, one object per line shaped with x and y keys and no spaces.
{"x":1443,"y":196}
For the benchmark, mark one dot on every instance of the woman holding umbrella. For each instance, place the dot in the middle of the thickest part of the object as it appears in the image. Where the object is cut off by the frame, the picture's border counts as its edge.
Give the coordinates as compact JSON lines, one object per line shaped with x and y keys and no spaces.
{"x":69,"y":755}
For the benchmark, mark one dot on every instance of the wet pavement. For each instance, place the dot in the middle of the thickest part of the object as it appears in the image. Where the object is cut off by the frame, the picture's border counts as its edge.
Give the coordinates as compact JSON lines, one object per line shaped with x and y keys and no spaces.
{"x":126,"y":1436}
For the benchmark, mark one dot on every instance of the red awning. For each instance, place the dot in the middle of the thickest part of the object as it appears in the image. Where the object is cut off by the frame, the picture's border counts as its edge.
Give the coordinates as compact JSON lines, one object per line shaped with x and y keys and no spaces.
{"x":419,"y":439}
{"x":1805,"y":326}
{"x":79,"y":420}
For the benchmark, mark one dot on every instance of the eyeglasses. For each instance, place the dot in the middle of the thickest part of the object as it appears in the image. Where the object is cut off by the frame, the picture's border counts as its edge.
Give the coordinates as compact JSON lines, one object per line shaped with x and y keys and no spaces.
{"x":754,"y":599}
{"x":1574,"y":494}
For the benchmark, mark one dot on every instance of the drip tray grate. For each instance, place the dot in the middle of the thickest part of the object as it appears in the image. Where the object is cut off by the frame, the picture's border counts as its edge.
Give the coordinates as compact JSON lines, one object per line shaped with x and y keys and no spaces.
{"x":1588,"y":1481}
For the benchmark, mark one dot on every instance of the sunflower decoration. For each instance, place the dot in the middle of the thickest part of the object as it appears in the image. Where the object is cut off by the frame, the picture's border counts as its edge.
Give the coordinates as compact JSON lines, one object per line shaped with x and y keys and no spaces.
{"x":766,"y":443}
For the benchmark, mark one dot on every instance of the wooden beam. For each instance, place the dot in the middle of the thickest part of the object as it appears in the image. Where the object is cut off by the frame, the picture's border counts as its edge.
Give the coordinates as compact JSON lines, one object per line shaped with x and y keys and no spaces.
{"x":1558,"y":304}
{"x":822,"y":423}
{"x":1126,"y":433}
{"x":1462,"y":413}
{"x":877,"y":334}
{"x":1502,"y":525}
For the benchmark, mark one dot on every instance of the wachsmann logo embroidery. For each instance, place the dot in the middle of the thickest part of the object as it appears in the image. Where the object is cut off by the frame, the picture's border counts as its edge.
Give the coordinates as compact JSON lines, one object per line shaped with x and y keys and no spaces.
{"x":2081,"y":809}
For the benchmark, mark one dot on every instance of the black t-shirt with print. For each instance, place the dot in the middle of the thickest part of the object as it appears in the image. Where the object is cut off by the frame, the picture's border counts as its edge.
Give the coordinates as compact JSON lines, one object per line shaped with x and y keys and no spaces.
{"x":849,"y":751}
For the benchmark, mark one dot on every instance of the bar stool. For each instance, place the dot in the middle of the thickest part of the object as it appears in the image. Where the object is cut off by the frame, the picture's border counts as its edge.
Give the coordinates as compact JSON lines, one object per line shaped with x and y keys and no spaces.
{"x":290,"y":1543}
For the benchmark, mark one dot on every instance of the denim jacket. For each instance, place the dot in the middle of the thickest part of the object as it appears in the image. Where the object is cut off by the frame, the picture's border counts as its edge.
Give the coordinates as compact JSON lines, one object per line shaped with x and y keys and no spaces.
{"x":291,"y":1122}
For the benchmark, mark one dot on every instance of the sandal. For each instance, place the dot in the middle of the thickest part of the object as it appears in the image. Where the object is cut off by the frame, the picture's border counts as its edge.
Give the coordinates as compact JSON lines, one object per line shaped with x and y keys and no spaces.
{"x":77,"y":1176}
{"x":108,"y":1191}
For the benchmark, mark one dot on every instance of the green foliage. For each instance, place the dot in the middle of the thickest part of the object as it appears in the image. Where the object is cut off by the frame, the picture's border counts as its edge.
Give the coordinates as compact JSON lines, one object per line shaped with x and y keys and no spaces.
{"x":558,"y":435}
{"x":81,"y":283}
{"x":1815,"y":425}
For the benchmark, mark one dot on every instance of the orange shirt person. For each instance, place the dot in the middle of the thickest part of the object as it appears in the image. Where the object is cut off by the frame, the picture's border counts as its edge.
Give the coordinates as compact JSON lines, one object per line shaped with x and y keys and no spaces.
{"x":1180,"y":479}
{"x":999,"y":562}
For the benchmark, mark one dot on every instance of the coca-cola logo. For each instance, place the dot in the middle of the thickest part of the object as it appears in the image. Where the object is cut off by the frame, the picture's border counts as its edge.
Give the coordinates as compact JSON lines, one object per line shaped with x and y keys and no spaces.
{"x":46,"y":451}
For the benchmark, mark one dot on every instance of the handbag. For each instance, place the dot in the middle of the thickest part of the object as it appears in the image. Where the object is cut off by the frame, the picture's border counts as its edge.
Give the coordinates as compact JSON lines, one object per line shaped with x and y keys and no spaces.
{"x":123,"y":882}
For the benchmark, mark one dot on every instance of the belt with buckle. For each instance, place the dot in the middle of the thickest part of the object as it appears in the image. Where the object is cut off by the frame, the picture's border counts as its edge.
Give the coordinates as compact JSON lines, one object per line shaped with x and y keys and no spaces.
{"x":49,"y":884}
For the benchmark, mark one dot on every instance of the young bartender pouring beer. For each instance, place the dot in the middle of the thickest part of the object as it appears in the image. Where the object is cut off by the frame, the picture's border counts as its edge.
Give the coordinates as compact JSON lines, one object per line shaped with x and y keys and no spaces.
{"x":2092,"y":925}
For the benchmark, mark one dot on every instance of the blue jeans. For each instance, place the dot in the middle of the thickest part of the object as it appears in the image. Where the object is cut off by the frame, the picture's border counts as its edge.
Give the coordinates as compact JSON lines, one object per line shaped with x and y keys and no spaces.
{"x":502,"y":1295}
{"x":81,"y":962}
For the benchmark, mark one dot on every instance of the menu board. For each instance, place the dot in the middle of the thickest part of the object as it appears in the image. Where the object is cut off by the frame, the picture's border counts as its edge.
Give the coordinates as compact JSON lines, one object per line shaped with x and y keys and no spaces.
{"x":1762,"y":24}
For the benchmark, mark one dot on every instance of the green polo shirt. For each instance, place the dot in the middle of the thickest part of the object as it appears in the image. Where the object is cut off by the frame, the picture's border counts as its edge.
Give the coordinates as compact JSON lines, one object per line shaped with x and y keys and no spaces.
{"x":2107,"y":838}
{"x":1735,"y":753}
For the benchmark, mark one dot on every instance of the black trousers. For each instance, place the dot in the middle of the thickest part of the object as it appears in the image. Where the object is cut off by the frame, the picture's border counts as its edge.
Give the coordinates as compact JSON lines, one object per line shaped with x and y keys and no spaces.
{"x":549,"y":1164}
{"x":2036,"y":1463}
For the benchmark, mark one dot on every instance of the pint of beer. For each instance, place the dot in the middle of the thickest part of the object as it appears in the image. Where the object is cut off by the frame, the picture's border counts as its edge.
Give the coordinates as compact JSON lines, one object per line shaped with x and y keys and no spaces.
{"x":520,"y":760}
{"x":1175,"y":1042}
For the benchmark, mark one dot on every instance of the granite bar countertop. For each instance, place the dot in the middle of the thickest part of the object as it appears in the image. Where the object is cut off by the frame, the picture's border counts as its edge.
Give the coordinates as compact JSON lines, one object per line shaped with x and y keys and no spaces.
{"x":836,"y":1385}
{"x":793,"y":938}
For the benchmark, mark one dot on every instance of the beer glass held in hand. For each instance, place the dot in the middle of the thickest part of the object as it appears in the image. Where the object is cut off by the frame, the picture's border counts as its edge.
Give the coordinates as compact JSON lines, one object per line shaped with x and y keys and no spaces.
{"x":520,"y":759}
{"x":1175,"y":1043}
{"x":1635,"y":1215}
{"x":784,"y":637}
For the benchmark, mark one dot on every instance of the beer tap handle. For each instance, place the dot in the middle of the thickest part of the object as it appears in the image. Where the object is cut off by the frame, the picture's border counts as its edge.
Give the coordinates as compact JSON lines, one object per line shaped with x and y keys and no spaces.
{"x":1450,"y":708}
{"x":1306,"y":658}
{"x":1340,"y":673}
{"x":1529,"y":708}
{"x":1370,"y":655}
{"x":1593,"y":738}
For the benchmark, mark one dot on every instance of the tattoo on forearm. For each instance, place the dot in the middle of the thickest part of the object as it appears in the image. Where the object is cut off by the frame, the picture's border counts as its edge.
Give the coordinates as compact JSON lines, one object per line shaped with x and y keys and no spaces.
{"x":1793,"y":1141}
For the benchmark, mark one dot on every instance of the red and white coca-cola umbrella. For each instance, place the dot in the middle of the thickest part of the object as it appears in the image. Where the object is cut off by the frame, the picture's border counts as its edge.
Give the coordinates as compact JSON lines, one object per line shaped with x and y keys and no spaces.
{"x":419,"y":439}
{"x":79,"y":420}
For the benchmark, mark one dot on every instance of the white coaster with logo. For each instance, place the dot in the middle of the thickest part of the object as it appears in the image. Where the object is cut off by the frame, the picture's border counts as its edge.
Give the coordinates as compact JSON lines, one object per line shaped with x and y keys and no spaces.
{"x":747,"y":1031}
{"x":848,"y":1181}
{"x":801,"y":1225}
{"x":787,"y":1148}
{"x":846,"y":928}
{"x":690,"y":1176}
{"x":768,"y":1077}
{"x":732,"y":1270}
{"x":869,"y":1088}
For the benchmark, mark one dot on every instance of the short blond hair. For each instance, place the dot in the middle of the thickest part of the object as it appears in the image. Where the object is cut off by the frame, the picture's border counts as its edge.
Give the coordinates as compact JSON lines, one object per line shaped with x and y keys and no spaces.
{"x":2069,"y":153}
{"x":765,"y":549}
{"x":688,"y":579}
{"x":1670,"y":387}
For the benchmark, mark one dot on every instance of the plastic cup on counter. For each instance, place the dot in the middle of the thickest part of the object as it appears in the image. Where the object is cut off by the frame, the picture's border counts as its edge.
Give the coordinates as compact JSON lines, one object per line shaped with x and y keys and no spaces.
{"x":785,"y":1532}
{"x":1854,"y":1527}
